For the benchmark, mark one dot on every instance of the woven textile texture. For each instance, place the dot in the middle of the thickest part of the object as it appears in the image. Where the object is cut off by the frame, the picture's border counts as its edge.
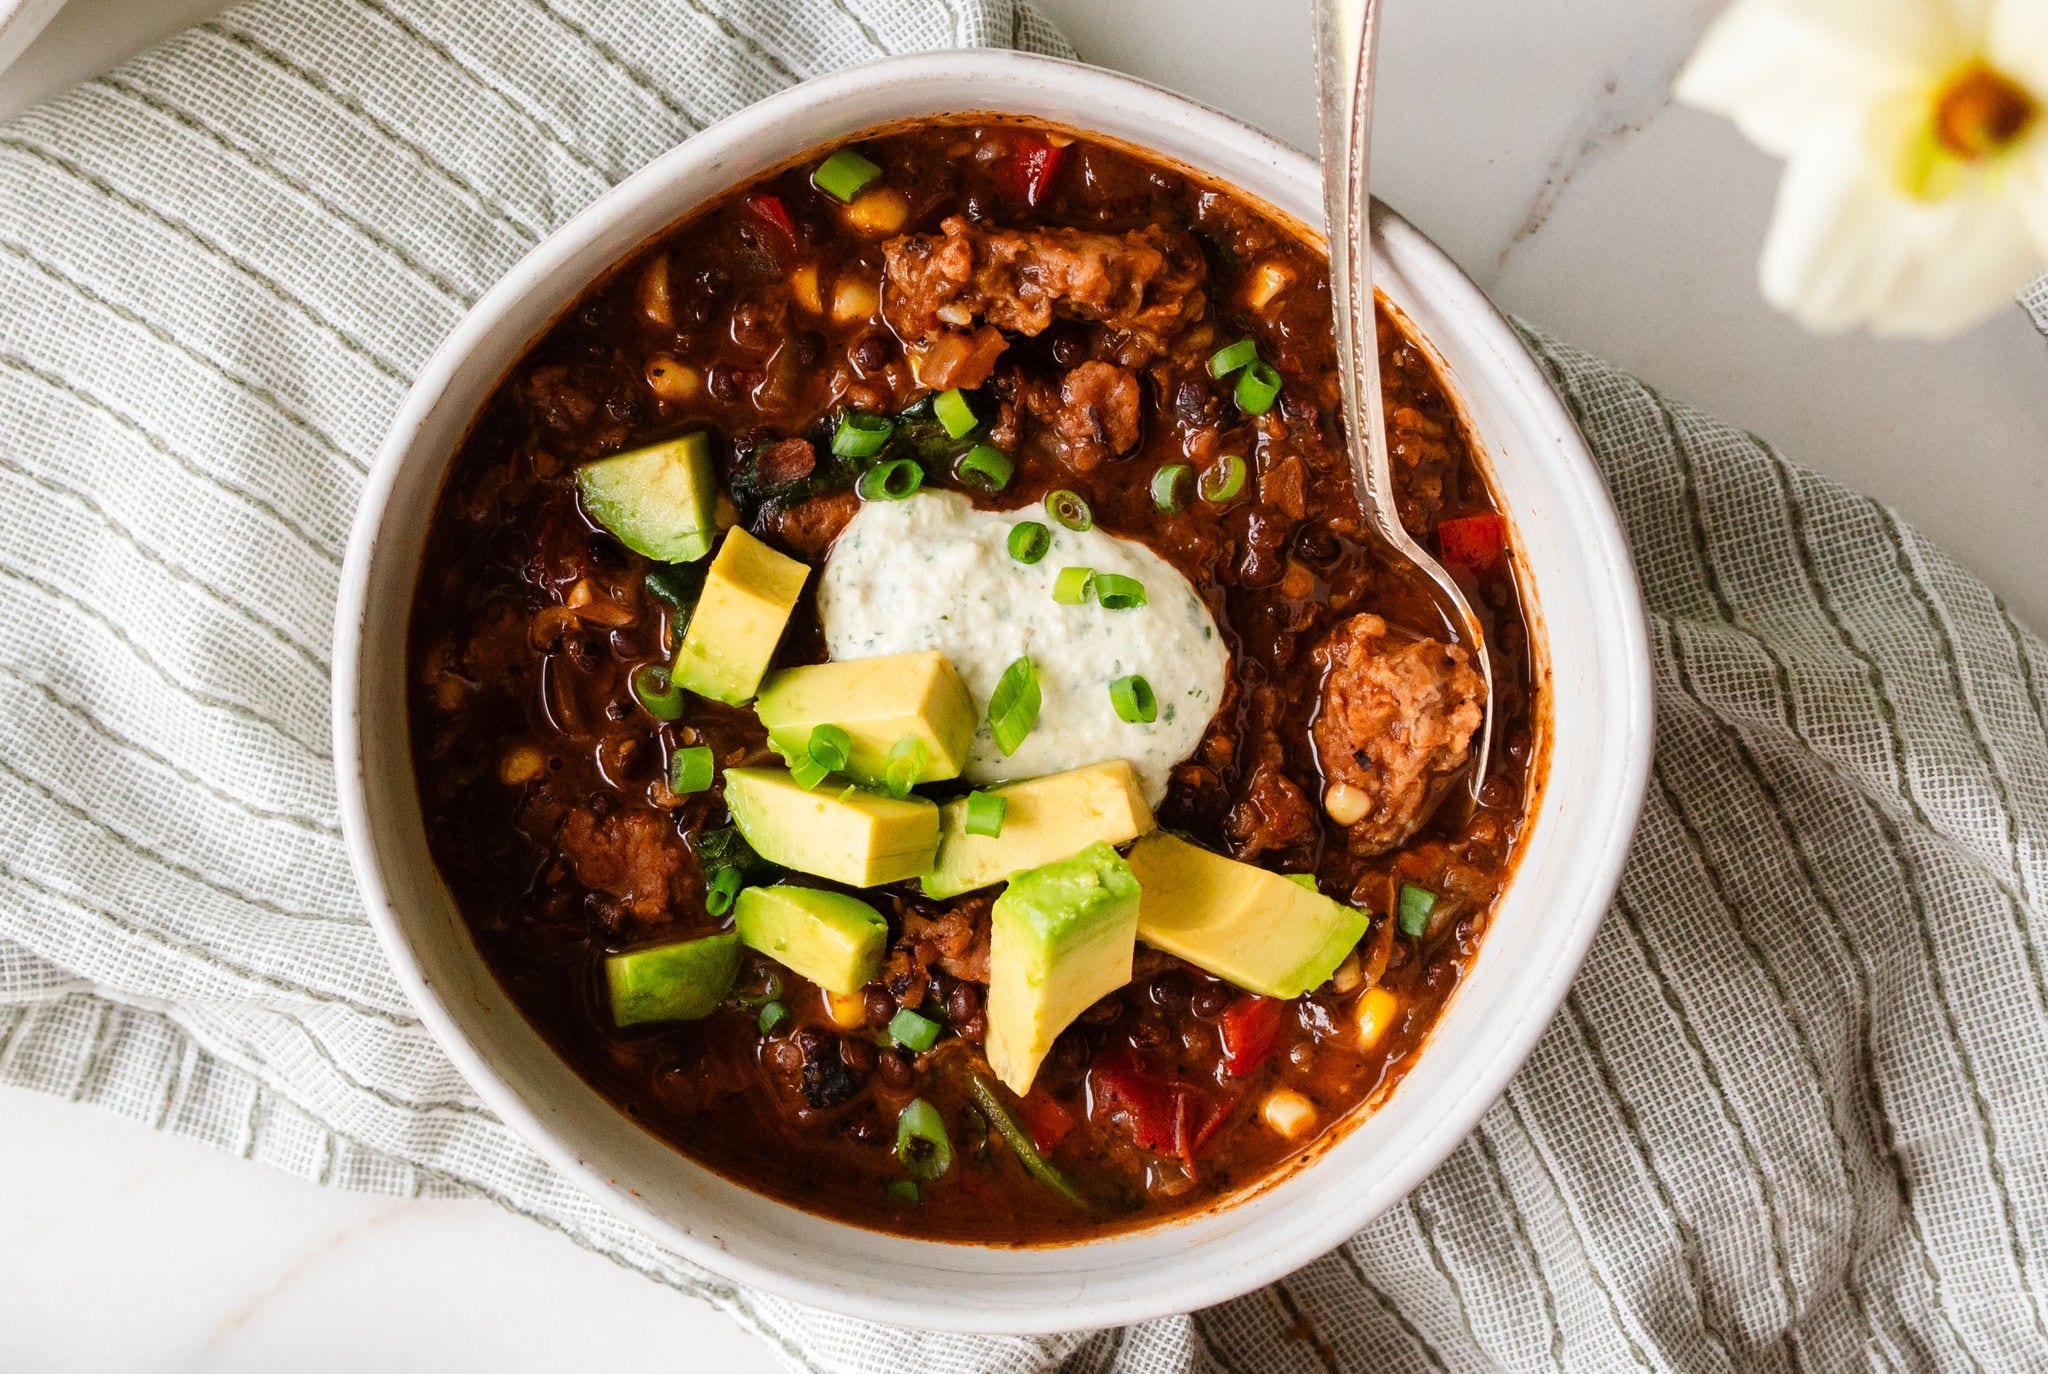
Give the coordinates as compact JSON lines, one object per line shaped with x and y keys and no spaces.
{"x":1794,"y":1115}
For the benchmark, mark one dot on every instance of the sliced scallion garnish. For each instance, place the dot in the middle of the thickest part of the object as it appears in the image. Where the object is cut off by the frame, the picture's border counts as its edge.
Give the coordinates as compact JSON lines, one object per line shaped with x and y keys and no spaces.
{"x":1170,"y":487}
{"x":1068,"y":509}
{"x":890,"y":481}
{"x":907,"y":760}
{"x":1070,"y":588}
{"x":724,"y":885}
{"x":861,"y":436}
{"x":656,"y":688}
{"x":921,"y":1144}
{"x":771,"y":1018}
{"x":689,"y":770}
{"x":912,"y":1031}
{"x":1257,"y":387}
{"x":1229,"y":359}
{"x":1029,"y":541}
{"x":829,"y":747}
{"x":954,"y":412}
{"x":985,"y":814}
{"x":807,"y":772}
{"x":1224,"y":479}
{"x":986,"y":467}
{"x":1013,"y":707}
{"x":844,"y":175}
{"x":1119,"y":593}
{"x":1132,"y":696}
{"x":1413,"y":908}
{"x":904,"y":1191}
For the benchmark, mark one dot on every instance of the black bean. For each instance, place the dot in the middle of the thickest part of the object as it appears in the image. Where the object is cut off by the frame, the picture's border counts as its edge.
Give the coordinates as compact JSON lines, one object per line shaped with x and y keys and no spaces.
{"x":1210,"y":999}
{"x":963,"y":1003}
{"x":878,"y":1005}
{"x":872,"y":354}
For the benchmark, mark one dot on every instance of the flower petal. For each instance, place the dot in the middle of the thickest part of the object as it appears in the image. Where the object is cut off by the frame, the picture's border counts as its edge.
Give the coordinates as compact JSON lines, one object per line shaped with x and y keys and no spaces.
{"x":1779,"y":67}
{"x":1845,"y":249}
{"x":2016,"y":42}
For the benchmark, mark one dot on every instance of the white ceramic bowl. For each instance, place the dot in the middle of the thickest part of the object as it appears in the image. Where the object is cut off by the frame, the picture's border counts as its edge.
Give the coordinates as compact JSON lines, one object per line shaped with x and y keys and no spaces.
{"x":1571,"y":552}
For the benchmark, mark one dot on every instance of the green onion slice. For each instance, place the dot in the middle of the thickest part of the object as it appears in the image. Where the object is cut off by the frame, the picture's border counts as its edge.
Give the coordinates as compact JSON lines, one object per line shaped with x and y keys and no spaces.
{"x":1133,"y":699}
{"x":907,"y":760}
{"x":1224,"y":479}
{"x":1257,"y":388}
{"x":844,"y":175}
{"x":1119,"y":593}
{"x":772,"y":1017}
{"x":830,"y":746}
{"x":1170,"y":487}
{"x":1068,"y":508}
{"x":1013,"y":708}
{"x":1019,"y":1140}
{"x":954,"y":412}
{"x":904,"y":1191}
{"x":1413,"y":908}
{"x":689,"y":770}
{"x":656,"y":688}
{"x":921,"y":1144}
{"x":860,"y":435}
{"x":913,"y":1032}
{"x":890,"y":481}
{"x":985,"y":813}
{"x":808,"y":772}
{"x":986,"y":467}
{"x":725,"y":885}
{"x":1029,"y":541}
{"x":1227,"y":360}
{"x":1071,"y":587}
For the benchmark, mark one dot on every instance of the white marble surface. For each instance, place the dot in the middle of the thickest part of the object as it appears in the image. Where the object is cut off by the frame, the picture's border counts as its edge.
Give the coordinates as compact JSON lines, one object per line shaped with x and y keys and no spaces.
{"x":1534,"y":139}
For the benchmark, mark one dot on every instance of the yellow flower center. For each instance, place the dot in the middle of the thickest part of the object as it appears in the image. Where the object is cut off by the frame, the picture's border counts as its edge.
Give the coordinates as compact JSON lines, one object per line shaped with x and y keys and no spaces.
{"x":1982,"y":111}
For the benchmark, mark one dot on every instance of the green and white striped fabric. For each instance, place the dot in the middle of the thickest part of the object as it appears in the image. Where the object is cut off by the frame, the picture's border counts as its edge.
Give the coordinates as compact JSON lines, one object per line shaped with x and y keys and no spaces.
{"x":1793,"y":1116}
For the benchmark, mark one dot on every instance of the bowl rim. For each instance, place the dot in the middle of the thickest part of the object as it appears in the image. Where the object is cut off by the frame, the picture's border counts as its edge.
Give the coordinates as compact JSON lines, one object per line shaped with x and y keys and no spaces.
{"x":1196,"y":1286}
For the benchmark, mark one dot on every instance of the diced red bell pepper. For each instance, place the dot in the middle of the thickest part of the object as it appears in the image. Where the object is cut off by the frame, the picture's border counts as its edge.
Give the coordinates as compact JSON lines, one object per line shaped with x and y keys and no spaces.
{"x":1472,"y":542}
{"x":1031,"y":167}
{"x":1046,"y":1120}
{"x":1198,"y":1121}
{"x":774,"y":214}
{"x":1251,"y":1027}
{"x":1151,"y":1107}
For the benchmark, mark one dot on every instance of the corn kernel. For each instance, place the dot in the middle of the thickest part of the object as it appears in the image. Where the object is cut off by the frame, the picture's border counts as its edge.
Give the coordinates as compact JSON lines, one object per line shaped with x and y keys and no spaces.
{"x":855,"y":299}
{"x":878,"y":212}
{"x":523,"y":765}
{"x":672,"y":380}
{"x":1345,"y":804}
{"x":1268,"y":281}
{"x":1377,"y":1009}
{"x":724,"y":514}
{"x":848,"y":1010}
{"x":1288,"y":1113}
{"x":803,"y":285}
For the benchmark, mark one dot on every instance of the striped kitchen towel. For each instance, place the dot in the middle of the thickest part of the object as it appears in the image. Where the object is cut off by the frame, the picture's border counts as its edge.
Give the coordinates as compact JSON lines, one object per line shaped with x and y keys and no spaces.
{"x":1793,"y":1116}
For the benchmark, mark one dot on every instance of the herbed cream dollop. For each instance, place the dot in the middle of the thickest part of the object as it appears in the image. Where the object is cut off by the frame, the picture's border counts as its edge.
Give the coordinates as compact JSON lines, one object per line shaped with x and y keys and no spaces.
{"x":932,"y":572}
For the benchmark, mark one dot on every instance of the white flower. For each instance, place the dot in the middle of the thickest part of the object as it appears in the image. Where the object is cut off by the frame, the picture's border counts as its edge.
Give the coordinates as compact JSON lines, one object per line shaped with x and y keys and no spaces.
{"x":1915,"y":139}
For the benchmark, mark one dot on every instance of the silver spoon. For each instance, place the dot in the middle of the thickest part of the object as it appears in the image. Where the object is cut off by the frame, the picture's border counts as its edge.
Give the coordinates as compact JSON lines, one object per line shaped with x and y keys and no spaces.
{"x":1347,"y":41}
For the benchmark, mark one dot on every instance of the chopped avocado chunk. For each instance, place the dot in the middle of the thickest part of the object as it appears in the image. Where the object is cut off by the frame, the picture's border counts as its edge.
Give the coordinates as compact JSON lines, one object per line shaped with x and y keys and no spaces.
{"x":879,"y":702}
{"x":852,"y":837}
{"x":1043,"y":819}
{"x":675,"y":982}
{"x":1246,"y":926}
{"x":1061,"y":937}
{"x":828,"y":937}
{"x":660,"y":500}
{"x":747,"y":598}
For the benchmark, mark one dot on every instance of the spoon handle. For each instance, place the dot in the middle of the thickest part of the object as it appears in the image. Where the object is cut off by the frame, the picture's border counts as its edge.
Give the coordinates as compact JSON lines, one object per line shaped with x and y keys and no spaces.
{"x":1347,"y":45}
